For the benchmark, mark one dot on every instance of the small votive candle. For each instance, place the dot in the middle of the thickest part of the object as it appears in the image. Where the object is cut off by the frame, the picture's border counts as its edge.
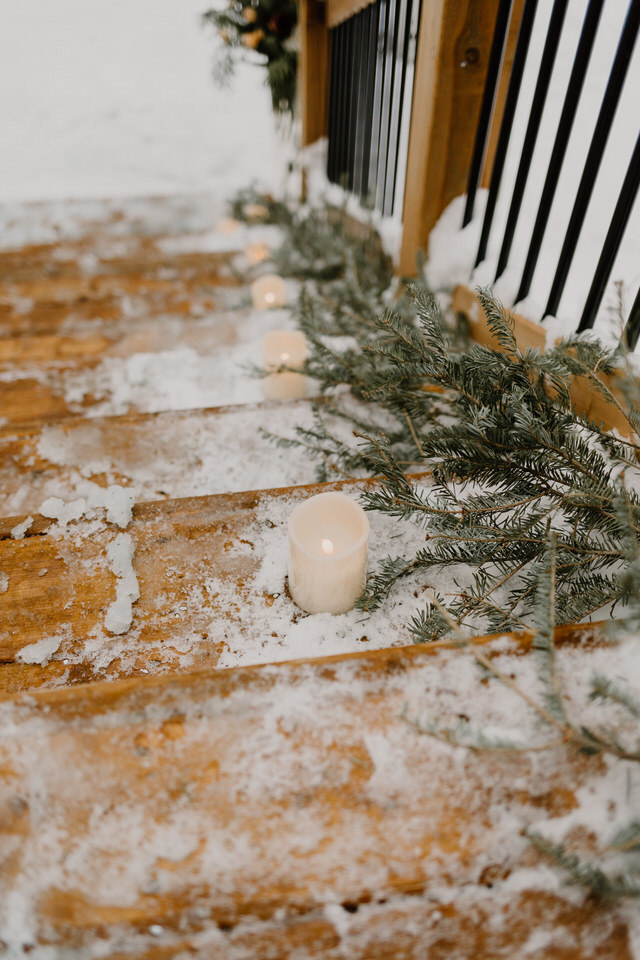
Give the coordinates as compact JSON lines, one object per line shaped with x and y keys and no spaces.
{"x":256,"y":212}
{"x":286,"y":348}
{"x":256,"y":253}
{"x":268,"y":291}
{"x":228,"y":225}
{"x":328,"y":537}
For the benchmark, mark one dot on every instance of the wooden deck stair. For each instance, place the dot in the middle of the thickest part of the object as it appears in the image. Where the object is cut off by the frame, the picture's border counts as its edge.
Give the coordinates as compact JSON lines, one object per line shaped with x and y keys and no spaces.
{"x":155,"y":805}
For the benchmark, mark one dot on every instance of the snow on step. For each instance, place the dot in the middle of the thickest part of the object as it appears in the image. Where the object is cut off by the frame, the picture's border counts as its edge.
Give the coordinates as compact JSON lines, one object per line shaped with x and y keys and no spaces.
{"x":206,"y":366}
{"x":170,"y":454}
{"x":212,"y":575}
{"x":293,"y":810}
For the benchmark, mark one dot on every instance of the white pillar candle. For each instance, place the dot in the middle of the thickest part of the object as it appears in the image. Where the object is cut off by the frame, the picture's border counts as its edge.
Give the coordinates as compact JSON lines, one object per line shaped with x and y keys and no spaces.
{"x":328,"y":536}
{"x":228,"y":225}
{"x":256,"y":212}
{"x":257,"y":253}
{"x":268,"y":291}
{"x":284,"y":348}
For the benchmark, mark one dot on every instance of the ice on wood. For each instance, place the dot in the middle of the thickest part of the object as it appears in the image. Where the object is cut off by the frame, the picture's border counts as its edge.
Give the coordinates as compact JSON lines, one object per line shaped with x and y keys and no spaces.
{"x":120,"y":556}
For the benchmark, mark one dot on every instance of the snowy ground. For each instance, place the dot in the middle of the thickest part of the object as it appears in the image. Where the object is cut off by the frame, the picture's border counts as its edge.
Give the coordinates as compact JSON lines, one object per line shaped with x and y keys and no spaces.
{"x":115,"y":98}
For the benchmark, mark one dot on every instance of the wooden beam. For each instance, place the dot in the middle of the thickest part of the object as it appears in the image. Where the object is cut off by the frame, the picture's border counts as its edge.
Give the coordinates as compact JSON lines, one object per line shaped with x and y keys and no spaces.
{"x":452,"y":54}
{"x":313,"y":70}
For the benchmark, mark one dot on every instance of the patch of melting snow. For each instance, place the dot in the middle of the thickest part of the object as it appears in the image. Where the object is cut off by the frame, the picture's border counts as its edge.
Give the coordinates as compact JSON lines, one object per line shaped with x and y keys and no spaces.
{"x":20,"y":529}
{"x":117,"y":500}
{"x":120,"y":556}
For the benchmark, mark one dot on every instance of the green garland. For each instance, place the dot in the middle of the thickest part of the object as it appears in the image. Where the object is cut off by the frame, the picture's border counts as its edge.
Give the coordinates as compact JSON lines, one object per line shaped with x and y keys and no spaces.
{"x":268,"y":28}
{"x":532,"y":497}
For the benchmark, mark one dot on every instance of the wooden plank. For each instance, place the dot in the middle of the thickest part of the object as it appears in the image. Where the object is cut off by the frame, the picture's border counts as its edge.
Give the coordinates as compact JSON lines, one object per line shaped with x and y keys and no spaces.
{"x":283,"y":812}
{"x":86,"y":313}
{"x":451,"y":61}
{"x":340,"y":10}
{"x":533,"y":335}
{"x":34,"y":385}
{"x":156,"y":455}
{"x":84,"y":259}
{"x":195,"y":559}
{"x":313,"y":77}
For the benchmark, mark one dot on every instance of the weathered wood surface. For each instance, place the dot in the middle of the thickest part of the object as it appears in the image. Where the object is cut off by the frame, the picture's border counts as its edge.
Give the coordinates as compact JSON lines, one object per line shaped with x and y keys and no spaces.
{"x":528,"y":334}
{"x":287,"y":812}
{"x":195,"y":560}
{"x":54,"y":289}
{"x":53,"y":378}
{"x":156,"y":455}
{"x":313,"y":78}
{"x":451,"y":62}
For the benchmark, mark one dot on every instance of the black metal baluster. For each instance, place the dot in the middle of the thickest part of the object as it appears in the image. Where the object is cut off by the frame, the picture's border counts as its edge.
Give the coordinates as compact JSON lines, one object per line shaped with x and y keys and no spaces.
{"x":371,"y":80}
{"x":405,"y":64}
{"x":396,"y":105}
{"x":565,"y":126}
{"x":377,"y":104}
{"x":344,"y":118}
{"x":519,"y":60}
{"x":486,"y":108}
{"x":333,"y":82}
{"x":596,"y":151}
{"x":356,"y":57}
{"x":389,"y":72}
{"x":632,"y":329}
{"x":619,"y":220}
{"x":339,"y":35}
{"x":533,"y":126}
{"x":362,"y":96}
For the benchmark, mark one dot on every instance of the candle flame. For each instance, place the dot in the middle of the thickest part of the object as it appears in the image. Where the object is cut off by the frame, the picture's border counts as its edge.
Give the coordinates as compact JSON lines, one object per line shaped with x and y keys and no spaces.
{"x":327,"y":547}
{"x":270,"y":297}
{"x":284,"y":357}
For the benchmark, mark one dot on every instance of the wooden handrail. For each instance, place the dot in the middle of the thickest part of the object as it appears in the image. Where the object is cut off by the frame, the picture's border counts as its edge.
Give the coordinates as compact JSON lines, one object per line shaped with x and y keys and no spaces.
{"x":340,"y":10}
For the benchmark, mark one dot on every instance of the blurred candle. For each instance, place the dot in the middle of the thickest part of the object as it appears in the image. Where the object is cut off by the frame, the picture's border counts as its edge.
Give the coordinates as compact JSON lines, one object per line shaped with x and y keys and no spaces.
{"x":228,"y":225}
{"x":256,"y":212}
{"x":268,"y":291}
{"x":328,"y":538}
{"x":284,"y":348}
{"x":256,"y":253}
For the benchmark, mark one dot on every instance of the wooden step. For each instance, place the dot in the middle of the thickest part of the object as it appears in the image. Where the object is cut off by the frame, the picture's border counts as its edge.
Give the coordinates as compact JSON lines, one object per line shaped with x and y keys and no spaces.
{"x":123,"y":277}
{"x":121,"y":340}
{"x":287,"y":812}
{"x":212,"y":576}
{"x":81,"y":381}
{"x":107,"y":314}
{"x":168,"y":454}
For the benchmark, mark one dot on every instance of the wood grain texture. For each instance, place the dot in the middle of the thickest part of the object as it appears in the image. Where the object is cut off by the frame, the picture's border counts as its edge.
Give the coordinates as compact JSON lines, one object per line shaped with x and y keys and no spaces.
{"x":313,"y":77}
{"x":282,"y":812}
{"x":451,"y":61}
{"x":194,"y":558}
{"x":37,"y":374}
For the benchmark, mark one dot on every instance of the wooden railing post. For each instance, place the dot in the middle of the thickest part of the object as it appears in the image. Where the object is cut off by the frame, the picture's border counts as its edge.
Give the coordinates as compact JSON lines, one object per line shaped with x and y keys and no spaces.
{"x":451,"y":62}
{"x":313,"y":75}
